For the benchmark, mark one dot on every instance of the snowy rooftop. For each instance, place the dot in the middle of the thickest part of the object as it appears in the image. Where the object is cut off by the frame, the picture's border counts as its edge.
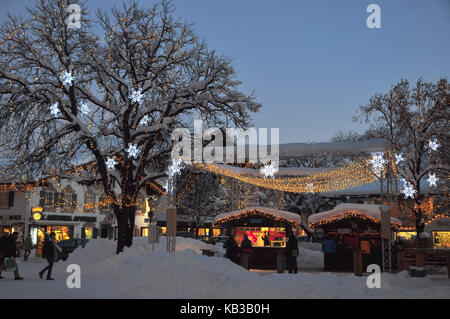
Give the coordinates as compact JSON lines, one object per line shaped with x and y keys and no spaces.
{"x":303,"y":149}
{"x":291,"y":217}
{"x":344,"y":208}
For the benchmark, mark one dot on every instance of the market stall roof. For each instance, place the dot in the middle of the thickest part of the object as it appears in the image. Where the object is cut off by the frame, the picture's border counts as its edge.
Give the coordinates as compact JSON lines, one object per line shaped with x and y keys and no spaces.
{"x":263,"y":211}
{"x":342,"y":210}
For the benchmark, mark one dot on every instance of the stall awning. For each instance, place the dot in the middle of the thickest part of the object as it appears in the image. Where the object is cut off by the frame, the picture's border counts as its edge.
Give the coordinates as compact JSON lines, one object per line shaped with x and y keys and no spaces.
{"x":346,"y":210}
{"x":261,"y":211}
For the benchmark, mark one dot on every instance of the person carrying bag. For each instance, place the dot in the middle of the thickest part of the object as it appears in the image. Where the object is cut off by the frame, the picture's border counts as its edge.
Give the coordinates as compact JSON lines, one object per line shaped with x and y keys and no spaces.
{"x":8,"y":250}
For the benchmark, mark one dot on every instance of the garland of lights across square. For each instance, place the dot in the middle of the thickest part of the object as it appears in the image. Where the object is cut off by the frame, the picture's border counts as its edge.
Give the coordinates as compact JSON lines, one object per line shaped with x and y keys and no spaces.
{"x":348,"y":176}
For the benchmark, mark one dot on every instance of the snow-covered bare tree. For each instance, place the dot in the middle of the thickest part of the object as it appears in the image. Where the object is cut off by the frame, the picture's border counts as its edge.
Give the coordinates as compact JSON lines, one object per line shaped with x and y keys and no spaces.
{"x":204,"y":197}
{"x":415,"y":121}
{"x":109,"y":94}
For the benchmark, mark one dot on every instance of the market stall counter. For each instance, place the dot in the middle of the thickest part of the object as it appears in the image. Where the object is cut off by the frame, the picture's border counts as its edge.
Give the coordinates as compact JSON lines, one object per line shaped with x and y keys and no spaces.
{"x":265,"y":228}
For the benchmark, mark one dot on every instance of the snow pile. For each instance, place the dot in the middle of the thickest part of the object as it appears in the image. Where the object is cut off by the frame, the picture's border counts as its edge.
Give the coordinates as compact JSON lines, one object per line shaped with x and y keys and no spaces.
{"x":139,"y":272}
{"x":309,"y":258}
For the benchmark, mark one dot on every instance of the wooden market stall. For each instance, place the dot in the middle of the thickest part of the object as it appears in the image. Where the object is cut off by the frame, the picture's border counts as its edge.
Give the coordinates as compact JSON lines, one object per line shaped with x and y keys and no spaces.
{"x":348,"y":225}
{"x":265,"y":227}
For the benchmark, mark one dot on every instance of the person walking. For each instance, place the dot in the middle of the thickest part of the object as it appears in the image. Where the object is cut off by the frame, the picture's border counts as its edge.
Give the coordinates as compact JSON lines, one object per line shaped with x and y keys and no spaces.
{"x":292,"y":253}
{"x":27,"y":245}
{"x":8,"y":249}
{"x":49,"y":252}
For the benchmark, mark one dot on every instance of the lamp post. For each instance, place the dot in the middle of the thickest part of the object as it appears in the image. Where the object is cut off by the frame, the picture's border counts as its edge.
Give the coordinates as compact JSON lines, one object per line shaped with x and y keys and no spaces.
{"x":386,"y":237}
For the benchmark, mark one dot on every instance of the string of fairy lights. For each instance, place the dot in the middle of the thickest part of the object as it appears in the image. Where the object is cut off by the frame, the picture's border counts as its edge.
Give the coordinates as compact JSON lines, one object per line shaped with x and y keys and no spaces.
{"x":347,"y":216}
{"x":348,"y":176}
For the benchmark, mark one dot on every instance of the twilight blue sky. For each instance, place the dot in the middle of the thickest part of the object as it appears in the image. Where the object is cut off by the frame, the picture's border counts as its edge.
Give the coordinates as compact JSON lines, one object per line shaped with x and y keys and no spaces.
{"x":312,"y":63}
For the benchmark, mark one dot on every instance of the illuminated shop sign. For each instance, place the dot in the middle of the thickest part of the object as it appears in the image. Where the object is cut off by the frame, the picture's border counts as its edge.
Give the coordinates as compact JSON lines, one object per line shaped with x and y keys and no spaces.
{"x":66,"y":218}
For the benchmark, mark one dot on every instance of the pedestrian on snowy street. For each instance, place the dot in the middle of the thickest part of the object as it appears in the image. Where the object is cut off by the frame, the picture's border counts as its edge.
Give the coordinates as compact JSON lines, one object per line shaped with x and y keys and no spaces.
{"x":292,"y":253}
{"x":28,"y":245}
{"x":49,"y":252}
{"x":8,"y":249}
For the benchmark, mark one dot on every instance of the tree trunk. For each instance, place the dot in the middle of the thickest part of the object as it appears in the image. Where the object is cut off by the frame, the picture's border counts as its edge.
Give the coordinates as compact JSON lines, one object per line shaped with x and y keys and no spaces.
{"x":125,"y":222}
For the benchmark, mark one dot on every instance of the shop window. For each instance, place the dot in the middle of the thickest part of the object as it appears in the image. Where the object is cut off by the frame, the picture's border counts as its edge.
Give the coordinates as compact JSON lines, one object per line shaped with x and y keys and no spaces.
{"x":88,"y":233}
{"x":441,"y":239}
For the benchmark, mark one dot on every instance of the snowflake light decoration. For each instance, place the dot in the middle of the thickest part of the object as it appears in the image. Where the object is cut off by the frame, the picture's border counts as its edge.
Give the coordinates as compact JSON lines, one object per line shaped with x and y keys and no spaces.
{"x":144,"y":121}
{"x":54,"y":110}
{"x":132,"y":151}
{"x":269,"y":170}
{"x":432,"y":179}
{"x":66,"y":78}
{"x":136,"y":96}
{"x":408,"y":190}
{"x":399,"y":158}
{"x":433,"y":145}
{"x":175,"y":168}
{"x":310,"y":187}
{"x":111,"y":163}
{"x":377,"y":162}
{"x":84,"y":108}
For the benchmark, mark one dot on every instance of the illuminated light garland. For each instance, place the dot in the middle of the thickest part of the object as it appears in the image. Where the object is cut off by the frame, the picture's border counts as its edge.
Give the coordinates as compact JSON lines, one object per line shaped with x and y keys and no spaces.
{"x":254,"y":212}
{"x":349,"y":176}
{"x":436,"y":217}
{"x":351,"y":214}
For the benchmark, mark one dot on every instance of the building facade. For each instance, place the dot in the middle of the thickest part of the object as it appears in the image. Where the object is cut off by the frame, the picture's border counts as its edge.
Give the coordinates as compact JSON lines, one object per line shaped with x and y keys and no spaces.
{"x":65,"y":207}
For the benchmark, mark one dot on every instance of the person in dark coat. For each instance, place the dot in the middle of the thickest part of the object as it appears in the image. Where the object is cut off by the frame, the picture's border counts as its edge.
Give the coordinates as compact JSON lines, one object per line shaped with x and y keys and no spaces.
{"x":246,"y":244}
{"x":49,"y":252}
{"x":8,"y":249}
{"x":231,"y":249}
{"x":246,"y":250}
{"x":292,"y":253}
{"x":3,"y":249}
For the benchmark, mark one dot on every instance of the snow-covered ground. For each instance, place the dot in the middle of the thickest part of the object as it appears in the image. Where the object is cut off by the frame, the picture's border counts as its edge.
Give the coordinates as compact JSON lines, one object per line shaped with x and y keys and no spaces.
{"x":141,"y":273}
